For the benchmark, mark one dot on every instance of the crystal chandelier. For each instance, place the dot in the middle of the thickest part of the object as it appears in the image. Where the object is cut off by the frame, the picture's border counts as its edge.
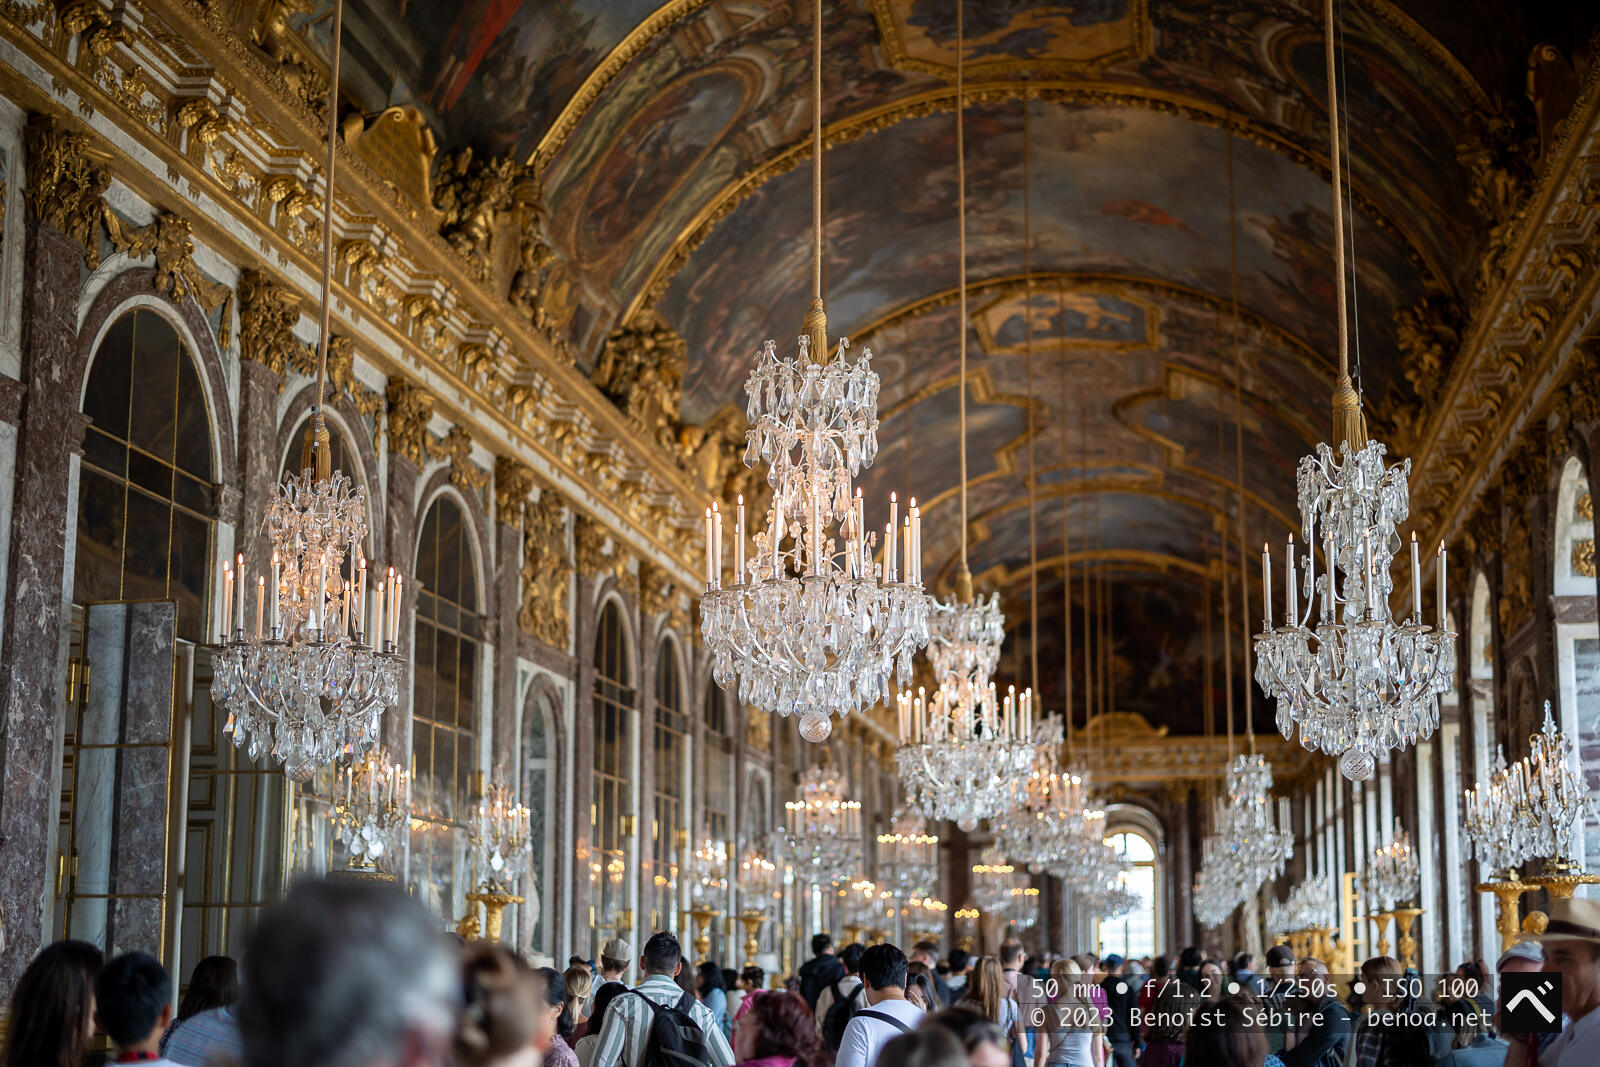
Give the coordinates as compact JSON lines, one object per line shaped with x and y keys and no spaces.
{"x":1557,"y":800}
{"x":500,"y":840}
{"x":1037,"y":830}
{"x":992,"y":881}
{"x":824,"y":829}
{"x":1023,"y":910}
{"x":371,"y":810}
{"x":908,"y":856}
{"x":1213,"y":900}
{"x":309,"y":682}
{"x":817,"y":628}
{"x":1494,"y":824}
{"x":708,"y":872}
{"x":958,"y":761}
{"x":1359,"y":683}
{"x":1260,"y":842}
{"x":1392,"y":876}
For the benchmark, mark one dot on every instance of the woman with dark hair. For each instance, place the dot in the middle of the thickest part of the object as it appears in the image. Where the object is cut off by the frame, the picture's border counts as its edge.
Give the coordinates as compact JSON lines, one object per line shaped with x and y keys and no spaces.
{"x":560,"y":1053}
{"x":709,"y":989}
{"x":1223,"y":1037}
{"x":214,"y":983}
{"x":1166,"y":1024}
{"x":51,"y":1017}
{"x":500,"y":1024}
{"x":979,"y":1035}
{"x":919,"y":986}
{"x":590,"y":1038}
{"x":777,"y":1030}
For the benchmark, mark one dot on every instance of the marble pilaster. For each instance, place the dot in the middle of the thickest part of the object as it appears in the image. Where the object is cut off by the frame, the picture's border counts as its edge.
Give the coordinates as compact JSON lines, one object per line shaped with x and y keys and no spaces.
{"x":33,"y":655}
{"x":582,"y":748}
{"x":259,"y":458}
{"x":506,"y":750}
{"x":399,"y":549}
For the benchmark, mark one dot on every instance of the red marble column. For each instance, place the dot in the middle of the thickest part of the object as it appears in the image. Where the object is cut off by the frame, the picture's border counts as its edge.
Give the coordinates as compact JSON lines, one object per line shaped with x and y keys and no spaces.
{"x":258,"y":460}
{"x":507,"y":745}
{"x":37,"y":609}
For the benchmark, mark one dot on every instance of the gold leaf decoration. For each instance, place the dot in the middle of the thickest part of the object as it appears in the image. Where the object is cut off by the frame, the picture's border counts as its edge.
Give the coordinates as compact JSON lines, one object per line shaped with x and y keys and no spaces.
{"x":546,"y":571}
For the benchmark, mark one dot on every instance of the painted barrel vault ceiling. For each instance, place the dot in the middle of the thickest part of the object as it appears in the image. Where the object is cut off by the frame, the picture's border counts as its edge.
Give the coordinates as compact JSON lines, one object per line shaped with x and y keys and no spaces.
{"x":672,"y":143}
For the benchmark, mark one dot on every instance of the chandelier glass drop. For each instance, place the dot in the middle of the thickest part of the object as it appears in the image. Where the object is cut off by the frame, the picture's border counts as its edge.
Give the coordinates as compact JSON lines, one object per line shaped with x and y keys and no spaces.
{"x":816,"y":621}
{"x":309,"y":681}
{"x":908,"y":856}
{"x":823,"y":833}
{"x":1360,"y":682}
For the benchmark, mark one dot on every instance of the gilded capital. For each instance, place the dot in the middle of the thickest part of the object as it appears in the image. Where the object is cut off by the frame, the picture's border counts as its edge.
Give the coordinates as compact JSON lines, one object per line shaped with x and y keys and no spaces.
{"x":546,"y":569}
{"x":410,"y":408}
{"x":66,"y":184}
{"x":267,"y":316}
{"x":513,"y":488}
{"x":464,"y":474}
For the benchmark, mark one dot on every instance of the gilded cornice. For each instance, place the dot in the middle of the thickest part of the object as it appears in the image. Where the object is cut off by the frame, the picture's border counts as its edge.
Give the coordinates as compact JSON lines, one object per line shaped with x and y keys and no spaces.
{"x":1513,"y":359}
{"x":936,"y":101}
{"x":248,"y":162}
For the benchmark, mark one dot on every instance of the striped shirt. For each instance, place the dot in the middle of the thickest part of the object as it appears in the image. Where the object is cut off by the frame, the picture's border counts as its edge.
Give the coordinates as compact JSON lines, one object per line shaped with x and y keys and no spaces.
{"x":626,"y":1028}
{"x":212,"y":1037}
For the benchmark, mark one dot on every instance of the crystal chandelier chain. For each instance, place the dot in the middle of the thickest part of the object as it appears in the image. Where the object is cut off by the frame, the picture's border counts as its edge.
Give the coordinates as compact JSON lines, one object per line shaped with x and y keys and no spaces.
{"x":819,"y":628}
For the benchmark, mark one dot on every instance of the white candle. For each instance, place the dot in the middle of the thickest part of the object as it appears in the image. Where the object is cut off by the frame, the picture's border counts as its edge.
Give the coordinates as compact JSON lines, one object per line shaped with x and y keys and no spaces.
{"x":239,"y":570}
{"x":1416,"y":580}
{"x":716,"y":551}
{"x":394,"y":610}
{"x":377,"y":617}
{"x":894,"y":524}
{"x":738,"y":545}
{"x":227,"y":599}
{"x":321,"y":618}
{"x":1266,"y":586}
{"x":916,"y":539}
{"x":261,"y":589}
{"x":1440,"y":569}
{"x":344,"y":619}
{"x":393,"y":598}
{"x":906,"y":526}
{"x":710,"y":562}
{"x":361,"y":590}
{"x":1372,"y":576}
{"x":1292,"y":593}
{"x":1330,"y":561}
{"x":277,"y":592}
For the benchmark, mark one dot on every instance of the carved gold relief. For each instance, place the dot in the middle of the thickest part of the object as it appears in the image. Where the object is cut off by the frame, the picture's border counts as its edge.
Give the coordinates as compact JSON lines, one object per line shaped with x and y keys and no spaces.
{"x":275,"y":37}
{"x":400,"y":148}
{"x":267,"y":316}
{"x":67,"y":180}
{"x":641,"y":369}
{"x":470,"y":195}
{"x":1516,"y":588}
{"x":546,"y":572}
{"x":169,"y":240}
{"x":657,"y":592}
{"x":457,"y":449}
{"x":513,"y":486}
{"x":409,"y":408}
{"x":1583,"y":557}
{"x":589,"y":538}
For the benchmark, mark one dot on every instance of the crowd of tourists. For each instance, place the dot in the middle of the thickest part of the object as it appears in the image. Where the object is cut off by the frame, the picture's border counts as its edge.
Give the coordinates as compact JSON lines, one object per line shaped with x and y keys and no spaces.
{"x":356,"y":974}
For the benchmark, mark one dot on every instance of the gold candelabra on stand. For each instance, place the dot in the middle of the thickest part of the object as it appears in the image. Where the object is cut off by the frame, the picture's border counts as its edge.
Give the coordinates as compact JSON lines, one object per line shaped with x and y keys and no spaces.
{"x":1404,"y":919}
{"x":877,"y":936}
{"x":1382,"y":921}
{"x":1507,"y":891}
{"x":852,"y":933}
{"x":494,"y":910}
{"x":702,"y":915}
{"x":1561,"y":878}
{"x":752,"y":920}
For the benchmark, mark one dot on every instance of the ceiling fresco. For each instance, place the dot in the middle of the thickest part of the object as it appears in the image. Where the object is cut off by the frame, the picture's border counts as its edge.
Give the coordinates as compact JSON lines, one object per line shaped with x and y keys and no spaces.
{"x":670,"y":139}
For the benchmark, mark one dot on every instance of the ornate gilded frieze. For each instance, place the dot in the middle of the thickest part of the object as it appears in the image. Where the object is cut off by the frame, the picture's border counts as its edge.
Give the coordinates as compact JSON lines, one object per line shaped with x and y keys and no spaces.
{"x":470,"y":194}
{"x":546,"y":572}
{"x":457,"y":450}
{"x":513,"y":489}
{"x":268,"y":312}
{"x":589,"y":540}
{"x":67,"y":181}
{"x":301,"y":72}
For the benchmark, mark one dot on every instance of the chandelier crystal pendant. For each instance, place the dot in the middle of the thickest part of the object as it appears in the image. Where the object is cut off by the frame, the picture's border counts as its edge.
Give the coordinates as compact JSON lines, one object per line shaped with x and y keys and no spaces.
{"x":1495,"y":826}
{"x":309,"y":681}
{"x":1262,"y":840}
{"x":500,"y":839}
{"x":810,"y":624}
{"x":1359,"y":683}
{"x":823,"y":833}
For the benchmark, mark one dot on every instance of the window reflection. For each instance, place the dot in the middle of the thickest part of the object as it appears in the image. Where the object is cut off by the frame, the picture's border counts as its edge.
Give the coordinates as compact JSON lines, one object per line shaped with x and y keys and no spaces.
{"x":667,"y":833}
{"x":613,"y":796}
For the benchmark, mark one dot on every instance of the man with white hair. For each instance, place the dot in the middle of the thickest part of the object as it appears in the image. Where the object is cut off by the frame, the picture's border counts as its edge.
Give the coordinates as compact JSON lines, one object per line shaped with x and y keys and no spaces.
{"x":346,"y":974}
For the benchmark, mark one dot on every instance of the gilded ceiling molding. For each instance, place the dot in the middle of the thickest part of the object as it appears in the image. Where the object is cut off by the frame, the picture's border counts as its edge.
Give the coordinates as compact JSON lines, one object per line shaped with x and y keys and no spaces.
{"x":1515,"y":350}
{"x":641,"y":370}
{"x":456,"y":449}
{"x":937,"y":101}
{"x":589,"y":538}
{"x":470,"y":194}
{"x":253,"y":171}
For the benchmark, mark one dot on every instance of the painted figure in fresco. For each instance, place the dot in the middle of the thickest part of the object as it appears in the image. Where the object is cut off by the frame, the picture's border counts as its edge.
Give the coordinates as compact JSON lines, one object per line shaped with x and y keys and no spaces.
{"x":1143,"y":211}
{"x":469,"y":40}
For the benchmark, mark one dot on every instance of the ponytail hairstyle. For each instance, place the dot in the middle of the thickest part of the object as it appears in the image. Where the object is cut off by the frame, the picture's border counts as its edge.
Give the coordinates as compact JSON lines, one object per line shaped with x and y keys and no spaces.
{"x":500,"y":1001}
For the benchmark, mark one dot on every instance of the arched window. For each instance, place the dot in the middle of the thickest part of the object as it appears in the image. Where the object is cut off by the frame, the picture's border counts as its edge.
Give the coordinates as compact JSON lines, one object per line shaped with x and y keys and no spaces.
{"x":1133,"y":934}
{"x":613,"y":776}
{"x":668,"y":834}
{"x":444,"y":720}
{"x":1577,"y":637}
{"x":145,"y":492}
{"x":540,"y":715}
{"x":716,"y":768}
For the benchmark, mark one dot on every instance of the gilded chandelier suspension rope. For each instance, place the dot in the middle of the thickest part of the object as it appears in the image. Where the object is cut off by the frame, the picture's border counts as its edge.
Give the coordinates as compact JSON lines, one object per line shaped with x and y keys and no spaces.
{"x":1033,"y":470}
{"x":1066,"y":522}
{"x":1238,"y":452}
{"x":1347,"y":422}
{"x":815,"y":323}
{"x":316,"y":451}
{"x":964,"y":587}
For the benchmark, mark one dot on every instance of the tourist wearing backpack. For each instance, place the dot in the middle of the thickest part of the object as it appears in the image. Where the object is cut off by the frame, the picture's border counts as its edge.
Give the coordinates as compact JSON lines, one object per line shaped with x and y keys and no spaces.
{"x":840,"y":1001}
{"x":657,"y":1024}
{"x":887,"y":1014}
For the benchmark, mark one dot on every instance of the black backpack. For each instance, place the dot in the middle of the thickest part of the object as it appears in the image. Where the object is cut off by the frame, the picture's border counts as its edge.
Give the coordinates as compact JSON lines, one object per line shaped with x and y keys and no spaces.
{"x":675,"y":1039}
{"x":840,"y":1012}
